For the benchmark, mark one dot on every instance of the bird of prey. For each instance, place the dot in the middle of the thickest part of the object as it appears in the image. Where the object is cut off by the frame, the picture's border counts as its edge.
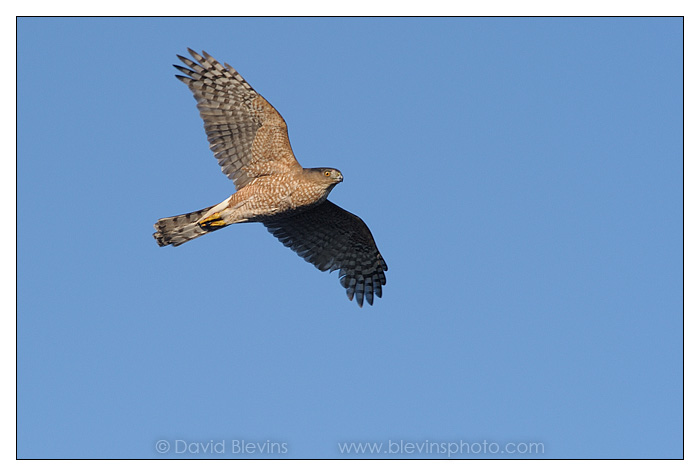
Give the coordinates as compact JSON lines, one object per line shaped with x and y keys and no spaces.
{"x":249,"y":140}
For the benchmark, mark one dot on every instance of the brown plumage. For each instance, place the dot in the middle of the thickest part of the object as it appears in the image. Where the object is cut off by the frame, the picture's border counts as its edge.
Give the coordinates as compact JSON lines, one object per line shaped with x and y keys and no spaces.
{"x":249,"y":139}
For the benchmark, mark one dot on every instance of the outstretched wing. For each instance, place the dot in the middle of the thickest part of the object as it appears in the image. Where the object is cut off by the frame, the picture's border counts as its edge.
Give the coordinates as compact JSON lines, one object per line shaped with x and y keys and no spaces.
{"x":331,"y":238}
{"x":247,"y":135}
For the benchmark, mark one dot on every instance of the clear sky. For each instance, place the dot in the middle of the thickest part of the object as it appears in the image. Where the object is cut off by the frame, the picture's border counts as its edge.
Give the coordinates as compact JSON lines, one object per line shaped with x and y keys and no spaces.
{"x":522,"y":178}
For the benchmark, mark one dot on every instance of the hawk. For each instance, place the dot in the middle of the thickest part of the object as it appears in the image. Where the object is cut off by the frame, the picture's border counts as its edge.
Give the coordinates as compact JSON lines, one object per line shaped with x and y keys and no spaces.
{"x":249,"y":139}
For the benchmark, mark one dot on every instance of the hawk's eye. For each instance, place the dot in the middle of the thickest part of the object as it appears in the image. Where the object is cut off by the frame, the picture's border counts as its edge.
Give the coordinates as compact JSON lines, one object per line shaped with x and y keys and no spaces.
{"x":327,"y":173}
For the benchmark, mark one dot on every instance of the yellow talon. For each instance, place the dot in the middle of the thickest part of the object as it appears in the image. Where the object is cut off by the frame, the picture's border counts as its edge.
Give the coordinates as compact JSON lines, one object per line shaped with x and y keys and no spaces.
{"x":212,"y":221}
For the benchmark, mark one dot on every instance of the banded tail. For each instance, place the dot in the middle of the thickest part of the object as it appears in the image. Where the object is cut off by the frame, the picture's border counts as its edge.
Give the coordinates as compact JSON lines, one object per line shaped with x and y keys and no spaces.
{"x":183,"y":228}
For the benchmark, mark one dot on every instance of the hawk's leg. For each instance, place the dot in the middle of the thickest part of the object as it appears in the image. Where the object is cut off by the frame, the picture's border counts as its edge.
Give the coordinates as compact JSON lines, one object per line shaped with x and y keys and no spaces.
{"x":212,"y":222}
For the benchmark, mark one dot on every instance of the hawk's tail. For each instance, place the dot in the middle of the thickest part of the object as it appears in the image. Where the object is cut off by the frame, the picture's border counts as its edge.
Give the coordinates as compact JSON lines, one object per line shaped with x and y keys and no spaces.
{"x":182,"y":228}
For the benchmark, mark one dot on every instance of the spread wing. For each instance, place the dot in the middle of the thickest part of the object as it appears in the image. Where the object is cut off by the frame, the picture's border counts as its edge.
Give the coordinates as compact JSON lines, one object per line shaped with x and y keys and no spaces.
{"x":247,"y":135}
{"x":331,"y":238}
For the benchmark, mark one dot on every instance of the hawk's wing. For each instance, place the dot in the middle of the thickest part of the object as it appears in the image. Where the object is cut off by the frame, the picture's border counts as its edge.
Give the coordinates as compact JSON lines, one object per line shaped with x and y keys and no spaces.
{"x":247,"y":135}
{"x":331,"y":238}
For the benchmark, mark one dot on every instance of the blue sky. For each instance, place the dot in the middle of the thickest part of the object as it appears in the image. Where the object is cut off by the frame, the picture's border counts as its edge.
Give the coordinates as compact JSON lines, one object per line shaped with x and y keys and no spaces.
{"x":522,"y":178}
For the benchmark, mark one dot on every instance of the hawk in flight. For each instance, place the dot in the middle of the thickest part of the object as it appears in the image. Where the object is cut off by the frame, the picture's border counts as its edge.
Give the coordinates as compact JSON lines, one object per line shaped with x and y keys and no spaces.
{"x":249,"y":139}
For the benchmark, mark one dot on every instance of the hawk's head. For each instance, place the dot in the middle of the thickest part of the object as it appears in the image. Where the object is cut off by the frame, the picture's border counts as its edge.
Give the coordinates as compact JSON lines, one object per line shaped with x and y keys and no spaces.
{"x":328,"y":177}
